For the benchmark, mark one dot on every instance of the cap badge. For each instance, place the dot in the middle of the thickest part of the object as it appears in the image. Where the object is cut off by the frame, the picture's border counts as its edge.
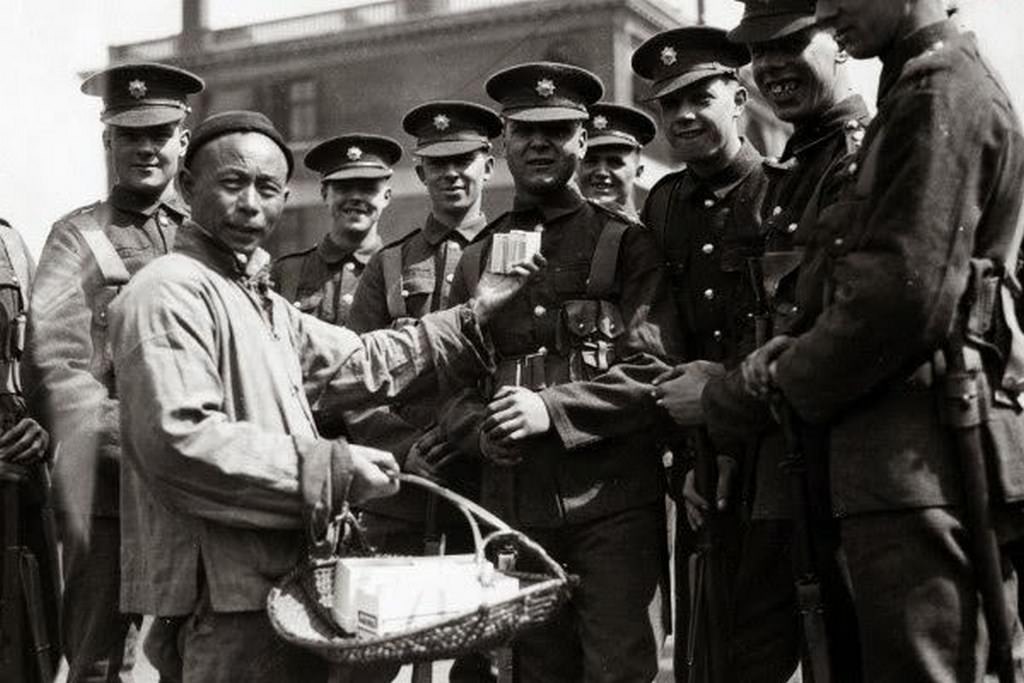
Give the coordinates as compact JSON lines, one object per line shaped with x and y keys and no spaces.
{"x":137,"y":88}
{"x":600,"y":122}
{"x":668,"y":55}
{"x":354,"y":154}
{"x":441,"y":122}
{"x":545,"y":87}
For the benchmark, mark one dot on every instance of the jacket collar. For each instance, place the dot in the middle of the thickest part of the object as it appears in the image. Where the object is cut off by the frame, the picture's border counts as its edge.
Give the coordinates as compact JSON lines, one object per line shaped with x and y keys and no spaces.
{"x":825,"y":126}
{"x":930,"y":37}
{"x":722,"y":183}
{"x":435,"y":232}
{"x":195,"y":241}
{"x":333,"y":253}
{"x":564,"y":201}
{"x":123,"y":199}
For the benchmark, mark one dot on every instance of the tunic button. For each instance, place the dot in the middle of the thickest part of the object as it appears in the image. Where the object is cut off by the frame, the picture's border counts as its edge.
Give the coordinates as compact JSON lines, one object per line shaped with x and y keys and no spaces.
{"x":717,"y":334}
{"x":538,"y":228}
{"x":449,"y":278}
{"x":852,"y":124}
{"x":543,"y":351}
{"x":791,"y":227}
{"x":350,"y":266}
{"x":405,"y":293}
{"x":296,"y":303}
{"x":539,"y":311}
{"x":708,"y":248}
{"x":346,"y":299}
{"x":708,"y":203}
{"x":777,"y":210}
{"x":853,"y":168}
{"x":709,"y":294}
{"x":838,"y":241}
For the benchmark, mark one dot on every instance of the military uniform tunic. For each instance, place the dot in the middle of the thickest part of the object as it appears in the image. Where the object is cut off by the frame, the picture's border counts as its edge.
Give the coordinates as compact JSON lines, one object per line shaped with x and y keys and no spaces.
{"x":322,"y":280}
{"x":935,"y":185}
{"x":706,"y":229}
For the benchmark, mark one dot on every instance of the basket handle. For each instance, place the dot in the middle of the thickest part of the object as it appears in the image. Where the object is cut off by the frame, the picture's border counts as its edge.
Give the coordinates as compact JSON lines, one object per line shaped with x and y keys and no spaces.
{"x":503,"y":530}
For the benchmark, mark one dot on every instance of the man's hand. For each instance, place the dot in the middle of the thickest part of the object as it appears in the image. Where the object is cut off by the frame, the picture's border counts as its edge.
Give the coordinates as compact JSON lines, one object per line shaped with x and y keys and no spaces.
{"x":374,"y":474}
{"x":759,"y":367}
{"x":24,"y":443}
{"x":505,"y":456}
{"x":514,"y":414}
{"x":430,"y":454}
{"x":679,"y":390}
{"x":495,"y":290}
{"x":696,"y":506}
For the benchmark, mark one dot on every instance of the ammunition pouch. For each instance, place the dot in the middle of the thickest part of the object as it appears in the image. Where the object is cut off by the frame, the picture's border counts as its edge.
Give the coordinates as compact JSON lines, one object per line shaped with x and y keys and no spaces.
{"x":587,"y":330}
{"x":992,"y":328}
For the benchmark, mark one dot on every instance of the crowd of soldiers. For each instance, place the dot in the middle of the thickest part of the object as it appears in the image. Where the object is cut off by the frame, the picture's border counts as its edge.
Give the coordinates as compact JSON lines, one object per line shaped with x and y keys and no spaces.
{"x":817,"y":356}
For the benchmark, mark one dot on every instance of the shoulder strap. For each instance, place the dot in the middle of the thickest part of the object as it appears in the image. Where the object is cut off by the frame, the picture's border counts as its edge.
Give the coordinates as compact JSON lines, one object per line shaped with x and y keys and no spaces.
{"x":606,"y":259}
{"x":112,"y":268}
{"x":391,"y":269}
{"x":473,"y":263}
{"x":19,"y":261}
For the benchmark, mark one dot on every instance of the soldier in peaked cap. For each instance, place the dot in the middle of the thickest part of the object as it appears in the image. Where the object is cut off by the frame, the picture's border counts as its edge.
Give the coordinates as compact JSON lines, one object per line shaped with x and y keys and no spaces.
{"x":617,"y":134}
{"x":706,"y":221}
{"x":800,"y":69}
{"x":564,"y":425}
{"x":403,"y":282}
{"x":88,"y":256}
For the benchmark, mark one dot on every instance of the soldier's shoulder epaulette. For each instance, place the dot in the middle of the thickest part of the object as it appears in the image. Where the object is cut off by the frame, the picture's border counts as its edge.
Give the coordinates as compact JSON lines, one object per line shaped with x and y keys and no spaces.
{"x":296,"y":254}
{"x":665,"y":180}
{"x":81,"y":211}
{"x":775,"y":164}
{"x":616,"y":212}
{"x":401,"y":240}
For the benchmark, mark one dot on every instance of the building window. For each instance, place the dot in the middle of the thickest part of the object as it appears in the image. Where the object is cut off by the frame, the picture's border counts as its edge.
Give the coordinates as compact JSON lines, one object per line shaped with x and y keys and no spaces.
{"x":302,"y":109}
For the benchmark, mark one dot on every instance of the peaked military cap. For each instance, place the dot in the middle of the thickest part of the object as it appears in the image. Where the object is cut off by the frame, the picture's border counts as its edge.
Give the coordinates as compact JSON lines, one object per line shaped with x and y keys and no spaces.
{"x":143,"y":94}
{"x":240,"y":121}
{"x":616,"y":124}
{"x":765,"y":20}
{"x":357,"y":155}
{"x":679,"y":57}
{"x":448,"y":128}
{"x":545,"y":91}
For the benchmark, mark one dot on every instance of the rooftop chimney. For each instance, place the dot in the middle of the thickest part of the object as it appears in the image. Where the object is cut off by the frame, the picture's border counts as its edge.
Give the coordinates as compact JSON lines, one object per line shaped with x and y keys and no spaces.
{"x":193,"y":24}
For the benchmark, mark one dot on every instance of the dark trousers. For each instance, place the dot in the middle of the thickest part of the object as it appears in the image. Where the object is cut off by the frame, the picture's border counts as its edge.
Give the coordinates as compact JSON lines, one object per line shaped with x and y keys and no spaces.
{"x":605,"y":634}
{"x":916,"y":597}
{"x":99,"y":641}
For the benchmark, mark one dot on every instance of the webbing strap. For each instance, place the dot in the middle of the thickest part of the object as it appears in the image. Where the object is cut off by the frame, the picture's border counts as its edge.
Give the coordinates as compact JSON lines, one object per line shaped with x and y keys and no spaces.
{"x":18,"y":257}
{"x":391,"y":268}
{"x":606,"y":259}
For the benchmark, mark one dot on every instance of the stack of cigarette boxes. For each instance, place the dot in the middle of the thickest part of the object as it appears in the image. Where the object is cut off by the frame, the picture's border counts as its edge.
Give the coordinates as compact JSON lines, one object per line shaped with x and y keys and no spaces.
{"x":375,"y":596}
{"x":510,"y":248}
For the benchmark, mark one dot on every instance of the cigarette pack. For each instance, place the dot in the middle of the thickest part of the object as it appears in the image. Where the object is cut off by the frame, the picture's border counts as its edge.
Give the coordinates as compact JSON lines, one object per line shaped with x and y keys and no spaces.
{"x":510,"y":248}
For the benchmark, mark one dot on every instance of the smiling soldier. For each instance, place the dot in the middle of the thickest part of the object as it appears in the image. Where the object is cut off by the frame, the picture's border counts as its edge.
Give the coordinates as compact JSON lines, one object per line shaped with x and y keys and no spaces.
{"x":88,"y":256}
{"x":613,"y":163}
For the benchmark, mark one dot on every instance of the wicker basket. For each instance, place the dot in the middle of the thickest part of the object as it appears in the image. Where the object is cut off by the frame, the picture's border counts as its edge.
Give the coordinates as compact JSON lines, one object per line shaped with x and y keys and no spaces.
{"x":300,"y":606}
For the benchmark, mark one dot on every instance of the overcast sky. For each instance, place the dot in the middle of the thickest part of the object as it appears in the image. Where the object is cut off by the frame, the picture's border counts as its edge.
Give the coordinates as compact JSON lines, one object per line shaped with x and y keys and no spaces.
{"x":52,"y":160}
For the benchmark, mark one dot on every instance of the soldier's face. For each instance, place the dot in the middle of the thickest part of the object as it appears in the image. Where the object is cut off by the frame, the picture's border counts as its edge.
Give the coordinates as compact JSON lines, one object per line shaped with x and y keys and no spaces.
{"x":146,"y":159}
{"x":237,"y":188}
{"x":700,"y":119}
{"x":356,"y":204}
{"x":864,"y":28}
{"x":798,"y":74}
{"x":455,"y":184}
{"x":608,"y":173}
{"x":543,"y":155}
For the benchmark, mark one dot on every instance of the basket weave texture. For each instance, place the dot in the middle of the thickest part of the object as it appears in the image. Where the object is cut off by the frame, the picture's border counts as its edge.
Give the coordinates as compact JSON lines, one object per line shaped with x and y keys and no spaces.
{"x":300,"y":606}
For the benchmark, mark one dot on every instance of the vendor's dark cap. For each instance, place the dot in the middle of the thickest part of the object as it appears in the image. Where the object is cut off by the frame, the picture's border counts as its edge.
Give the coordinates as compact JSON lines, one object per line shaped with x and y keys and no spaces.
{"x":449,"y":128}
{"x":674,"y":59}
{"x":545,"y":91}
{"x":765,"y":20}
{"x":229,"y":122}
{"x":616,"y":124}
{"x":358,"y":155}
{"x":143,"y":94}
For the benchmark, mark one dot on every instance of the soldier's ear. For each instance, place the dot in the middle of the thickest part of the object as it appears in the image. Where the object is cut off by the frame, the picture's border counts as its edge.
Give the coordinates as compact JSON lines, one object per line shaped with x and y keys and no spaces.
{"x":639,"y":170}
{"x":740,"y":100}
{"x":582,"y":152}
{"x":420,"y":174}
{"x":184,"y":138}
{"x":387,"y":195}
{"x":488,"y":167}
